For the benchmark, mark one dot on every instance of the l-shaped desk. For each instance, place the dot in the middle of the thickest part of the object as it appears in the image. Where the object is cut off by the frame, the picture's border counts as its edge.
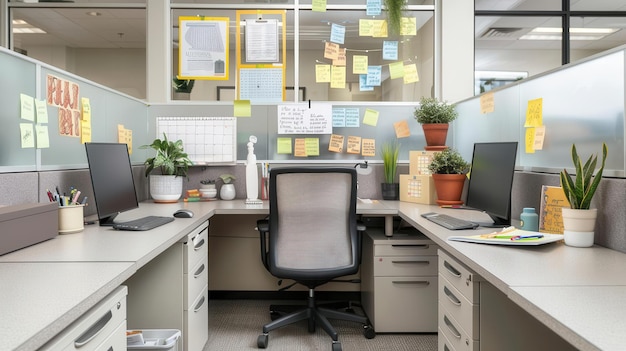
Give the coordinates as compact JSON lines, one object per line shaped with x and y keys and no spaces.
{"x":577,"y":294}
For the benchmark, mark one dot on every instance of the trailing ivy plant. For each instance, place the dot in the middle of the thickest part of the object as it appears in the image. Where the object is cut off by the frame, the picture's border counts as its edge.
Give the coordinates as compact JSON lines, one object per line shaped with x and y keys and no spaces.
{"x":395,"y":10}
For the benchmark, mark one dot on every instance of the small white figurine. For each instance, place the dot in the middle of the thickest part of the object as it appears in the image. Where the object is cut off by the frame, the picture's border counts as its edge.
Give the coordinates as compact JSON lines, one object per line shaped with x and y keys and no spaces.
{"x":252,"y":175}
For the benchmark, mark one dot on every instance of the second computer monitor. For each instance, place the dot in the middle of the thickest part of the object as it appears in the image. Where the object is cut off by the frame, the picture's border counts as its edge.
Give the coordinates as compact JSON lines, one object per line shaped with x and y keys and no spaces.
{"x":491,"y":180}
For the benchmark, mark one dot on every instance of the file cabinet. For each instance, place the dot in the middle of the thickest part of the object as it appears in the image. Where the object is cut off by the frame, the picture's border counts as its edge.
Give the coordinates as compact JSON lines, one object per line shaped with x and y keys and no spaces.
{"x":196,"y":289}
{"x":399,"y":282}
{"x":459,"y":306}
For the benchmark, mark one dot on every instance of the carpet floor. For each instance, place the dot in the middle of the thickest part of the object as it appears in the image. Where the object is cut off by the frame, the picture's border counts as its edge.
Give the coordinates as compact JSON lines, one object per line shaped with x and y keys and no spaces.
{"x":236,"y":324}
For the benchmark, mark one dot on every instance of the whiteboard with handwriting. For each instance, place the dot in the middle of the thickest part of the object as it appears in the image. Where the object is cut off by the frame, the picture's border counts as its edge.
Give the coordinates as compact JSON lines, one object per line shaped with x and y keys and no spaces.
{"x":302,"y":119}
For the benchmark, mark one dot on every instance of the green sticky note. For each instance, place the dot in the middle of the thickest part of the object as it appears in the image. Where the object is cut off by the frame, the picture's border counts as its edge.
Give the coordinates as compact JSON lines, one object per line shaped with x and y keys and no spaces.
{"x":242,"y":108}
{"x":370,"y":117}
{"x":319,"y":5}
{"x":312,"y":146}
{"x":396,"y":70}
{"x":283,"y":145}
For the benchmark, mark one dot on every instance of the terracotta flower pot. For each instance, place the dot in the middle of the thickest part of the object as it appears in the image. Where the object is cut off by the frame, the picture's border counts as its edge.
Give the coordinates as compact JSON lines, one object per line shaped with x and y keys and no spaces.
{"x":449,"y":188}
{"x":435,"y":134}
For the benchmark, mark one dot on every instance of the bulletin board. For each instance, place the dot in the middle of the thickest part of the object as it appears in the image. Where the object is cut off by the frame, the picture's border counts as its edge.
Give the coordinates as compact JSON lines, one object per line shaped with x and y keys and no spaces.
{"x":206,"y":140}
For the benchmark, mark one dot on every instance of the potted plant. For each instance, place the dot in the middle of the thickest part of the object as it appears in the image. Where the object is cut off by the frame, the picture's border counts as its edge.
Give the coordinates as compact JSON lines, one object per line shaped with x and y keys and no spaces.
{"x":227,"y":190}
{"x":389,"y":153}
{"x":173,"y":164}
{"x":579,"y":220}
{"x":207,"y":188}
{"x":182,"y":88}
{"x":395,"y":10}
{"x":448,"y":169}
{"x":435,"y":116}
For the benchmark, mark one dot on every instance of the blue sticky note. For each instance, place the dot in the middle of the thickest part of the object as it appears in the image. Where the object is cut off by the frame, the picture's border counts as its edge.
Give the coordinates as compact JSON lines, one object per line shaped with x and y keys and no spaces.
{"x":390,"y":50}
{"x":374,"y":7}
{"x":337,"y":33}
{"x":339,"y":117}
{"x":374,"y":74}
{"x":363,"y":83}
{"x":352,"y":115}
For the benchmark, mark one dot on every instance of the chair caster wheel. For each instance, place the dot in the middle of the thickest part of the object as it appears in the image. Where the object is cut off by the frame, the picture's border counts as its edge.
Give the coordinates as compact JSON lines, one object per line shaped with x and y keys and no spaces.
{"x":262,"y":340}
{"x":336,"y":346}
{"x":369,"y":332}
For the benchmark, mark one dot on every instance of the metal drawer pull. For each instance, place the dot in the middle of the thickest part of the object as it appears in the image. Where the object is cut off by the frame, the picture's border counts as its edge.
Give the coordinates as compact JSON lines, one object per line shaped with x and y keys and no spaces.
{"x":110,"y":348}
{"x":93,"y":331}
{"x":199,"y":305}
{"x":198,"y":245}
{"x":451,"y":269}
{"x":451,"y":296}
{"x":423,"y":247}
{"x":199,"y":271}
{"x":418,"y":262}
{"x":412,"y":282}
{"x":450,"y":326}
{"x":445,"y":348}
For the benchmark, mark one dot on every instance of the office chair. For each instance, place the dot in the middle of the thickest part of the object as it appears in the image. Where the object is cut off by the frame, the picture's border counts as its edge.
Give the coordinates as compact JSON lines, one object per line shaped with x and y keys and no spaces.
{"x":311,"y":236}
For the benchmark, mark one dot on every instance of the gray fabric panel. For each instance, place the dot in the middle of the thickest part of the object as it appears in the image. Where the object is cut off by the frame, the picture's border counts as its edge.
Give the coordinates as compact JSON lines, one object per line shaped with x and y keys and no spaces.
{"x":313,"y":220}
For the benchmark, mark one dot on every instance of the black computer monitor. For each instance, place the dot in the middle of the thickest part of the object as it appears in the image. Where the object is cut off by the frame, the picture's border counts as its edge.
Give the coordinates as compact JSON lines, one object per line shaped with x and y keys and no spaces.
{"x":111,"y":179}
{"x":491,"y":180}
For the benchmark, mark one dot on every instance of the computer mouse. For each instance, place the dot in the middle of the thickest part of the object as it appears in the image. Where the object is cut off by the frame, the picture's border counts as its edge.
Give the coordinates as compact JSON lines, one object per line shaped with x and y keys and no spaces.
{"x":183,"y":213}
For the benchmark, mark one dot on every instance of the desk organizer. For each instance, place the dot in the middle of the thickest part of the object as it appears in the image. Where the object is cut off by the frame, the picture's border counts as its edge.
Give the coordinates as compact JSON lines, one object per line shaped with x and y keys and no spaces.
{"x":27,"y":224}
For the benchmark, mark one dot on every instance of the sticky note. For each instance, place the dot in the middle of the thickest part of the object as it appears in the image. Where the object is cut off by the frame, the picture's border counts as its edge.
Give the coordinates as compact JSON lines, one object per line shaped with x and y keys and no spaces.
{"x":374,"y":74}
{"x":390,"y":50}
{"x":359,"y":64}
{"x":368,"y":147}
{"x":410,"y":74}
{"x":408,"y":26}
{"x":85,"y":131}
{"x":43,"y":139}
{"x":370,"y":117}
{"x":312,"y":146}
{"x":242,"y":108}
{"x":530,"y":140}
{"x":363,"y":83}
{"x":540,"y":133}
{"x":337,"y":33}
{"x":331,"y":50}
{"x":402,"y":129}
{"x":336,"y":143}
{"x":319,"y":5}
{"x":339,"y":117}
{"x":534,"y":113}
{"x":299,"y":148}
{"x":366,"y":27}
{"x":27,"y":135}
{"x":322,"y":73}
{"x":42,"y":111}
{"x":352,"y":117}
{"x":283,"y":145}
{"x":338,"y":77}
{"x":374,"y":7}
{"x":487,"y":103}
{"x":379,"y":29}
{"x":85,"y":109}
{"x":27,"y":107}
{"x":396,"y":70}
{"x":353,"y":145}
{"x":341,"y":58}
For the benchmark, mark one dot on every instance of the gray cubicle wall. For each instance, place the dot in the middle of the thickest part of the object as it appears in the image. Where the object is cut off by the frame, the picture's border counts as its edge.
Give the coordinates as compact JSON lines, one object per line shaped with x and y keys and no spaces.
{"x":583,"y":103}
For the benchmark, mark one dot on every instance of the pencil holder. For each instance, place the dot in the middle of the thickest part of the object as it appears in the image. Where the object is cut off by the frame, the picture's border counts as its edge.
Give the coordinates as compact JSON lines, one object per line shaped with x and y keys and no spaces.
{"x":71,"y":219}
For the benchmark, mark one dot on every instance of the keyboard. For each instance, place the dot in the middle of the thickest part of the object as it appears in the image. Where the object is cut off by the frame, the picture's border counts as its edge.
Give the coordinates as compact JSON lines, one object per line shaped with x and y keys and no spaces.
{"x":145,"y":223}
{"x":449,"y":222}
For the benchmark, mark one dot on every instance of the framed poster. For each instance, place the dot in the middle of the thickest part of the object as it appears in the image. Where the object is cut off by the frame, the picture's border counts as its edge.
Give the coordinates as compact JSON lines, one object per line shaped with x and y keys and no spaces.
{"x":203,"y":48}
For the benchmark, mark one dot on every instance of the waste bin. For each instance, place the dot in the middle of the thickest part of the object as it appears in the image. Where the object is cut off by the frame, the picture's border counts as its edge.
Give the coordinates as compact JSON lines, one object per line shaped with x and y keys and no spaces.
{"x":153,"y":339}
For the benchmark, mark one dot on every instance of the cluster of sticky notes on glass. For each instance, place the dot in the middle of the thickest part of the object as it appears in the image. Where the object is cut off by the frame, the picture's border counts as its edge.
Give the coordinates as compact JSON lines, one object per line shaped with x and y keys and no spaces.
{"x":29,"y":133}
{"x":535,"y":130}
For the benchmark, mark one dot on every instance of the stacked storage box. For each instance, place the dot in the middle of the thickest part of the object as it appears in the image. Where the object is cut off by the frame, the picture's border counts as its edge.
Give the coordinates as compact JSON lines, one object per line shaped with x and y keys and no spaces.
{"x":417,"y":186}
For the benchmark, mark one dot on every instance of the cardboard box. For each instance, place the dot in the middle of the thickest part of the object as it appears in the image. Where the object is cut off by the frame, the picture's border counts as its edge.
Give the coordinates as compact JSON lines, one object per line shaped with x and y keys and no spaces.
{"x":417,"y":188}
{"x":419,"y":161}
{"x":27,"y":224}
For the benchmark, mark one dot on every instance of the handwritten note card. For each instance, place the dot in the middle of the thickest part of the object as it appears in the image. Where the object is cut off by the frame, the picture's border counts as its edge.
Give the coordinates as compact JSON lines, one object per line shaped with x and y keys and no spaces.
{"x":534,"y":113}
{"x":368,"y":147}
{"x":359,"y":64}
{"x":322,"y":73}
{"x":354,"y":145}
{"x":336,"y":143}
{"x":337,"y":33}
{"x":410,"y":74}
{"x":390,"y":50}
{"x":374,"y":74}
{"x":300,"y":119}
{"x":374,"y":7}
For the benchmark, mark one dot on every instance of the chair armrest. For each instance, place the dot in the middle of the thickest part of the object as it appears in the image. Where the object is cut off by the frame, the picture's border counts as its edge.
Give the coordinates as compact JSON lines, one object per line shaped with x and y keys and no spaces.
{"x":360,"y":227}
{"x":263,"y":226}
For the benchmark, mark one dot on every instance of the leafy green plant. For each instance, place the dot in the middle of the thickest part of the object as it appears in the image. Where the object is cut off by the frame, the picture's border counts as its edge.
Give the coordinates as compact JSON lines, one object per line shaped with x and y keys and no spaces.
{"x":170,"y":157}
{"x":395,"y":9}
{"x":227,"y":178}
{"x":448,"y":161}
{"x":580,"y":191}
{"x":389,"y":154}
{"x":432,"y":110}
{"x":183,"y":85}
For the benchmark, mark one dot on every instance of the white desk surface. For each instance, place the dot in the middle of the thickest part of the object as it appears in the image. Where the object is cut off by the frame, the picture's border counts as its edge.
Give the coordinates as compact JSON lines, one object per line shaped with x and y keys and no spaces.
{"x":578,"y":282}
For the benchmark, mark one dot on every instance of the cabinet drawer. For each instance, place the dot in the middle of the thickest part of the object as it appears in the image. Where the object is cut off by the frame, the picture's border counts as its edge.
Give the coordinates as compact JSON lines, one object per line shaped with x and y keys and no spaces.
{"x":194,"y":281}
{"x":405,"y":305}
{"x":464,"y":312}
{"x":196,"y":247}
{"x":95,"y":326}
{"x":422,"y":247}
{"x":405,"y":266}
{"x":116,"y":341}
{"x":443,"y":344}
{"x":455,"y":335}
{"x":196,"y":323}
{"x":460,"y":277}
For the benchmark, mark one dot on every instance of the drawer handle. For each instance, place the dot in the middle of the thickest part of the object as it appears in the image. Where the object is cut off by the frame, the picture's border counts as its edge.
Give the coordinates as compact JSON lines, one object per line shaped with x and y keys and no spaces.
{"x":411,"y":282}
{"x":423,"y":247}
{"x":445,"y":348}
{"x":93,"y":331}
{"x":451,"y":327}
{"x":199,"y":271}
{"x":451,"y":296}
{"x":197,"y":246}
{"x":413,"y":262}
{"x":451,"y":269}
{"x":199,"y":305}
{"x":110,"y":348}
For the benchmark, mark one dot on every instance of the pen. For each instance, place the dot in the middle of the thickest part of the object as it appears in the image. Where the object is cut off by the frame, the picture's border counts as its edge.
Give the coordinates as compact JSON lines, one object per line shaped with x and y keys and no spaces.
{"x":84,"y":201}
{"x":531,"y":236}
{"x":75,"y":199}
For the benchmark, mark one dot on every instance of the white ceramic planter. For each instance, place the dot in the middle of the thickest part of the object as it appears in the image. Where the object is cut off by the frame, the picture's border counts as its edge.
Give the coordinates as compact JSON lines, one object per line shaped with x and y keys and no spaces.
{"x":578,"y":226}
{"x":166,"y":188}
{"x":227,"y":192}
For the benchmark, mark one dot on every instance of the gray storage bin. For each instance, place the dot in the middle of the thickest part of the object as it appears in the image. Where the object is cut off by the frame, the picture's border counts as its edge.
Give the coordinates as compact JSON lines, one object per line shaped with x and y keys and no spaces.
{"x":158,"y":340}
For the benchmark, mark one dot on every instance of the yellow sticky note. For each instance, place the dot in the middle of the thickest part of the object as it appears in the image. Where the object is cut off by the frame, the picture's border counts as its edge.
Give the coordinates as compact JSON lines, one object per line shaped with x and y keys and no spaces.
{"x":43,"y":139}
{"x":27,"y":135}
{"x":331,"y":50}
{"x":299,"y":148}
{"x":336,"y":143}
{"x":410,"y":74}
{"x":27,"y":107}
{"x":354,"y":145}
{"x":368,"y":147}
{"x":312,"y":146}
{"x":540,"y":134}
{"x":319,"y":5}
{"x":530,"y":140}
{"x":370,"y":117}
{"x":283,"y":145}
{"x":402,"y":129}
{"x":487,"y":103}
{"x":322,"y":73}
{"x":366,"y":27}
{"x":379,"y":29}
{"x":338,"y":77}
{"x":86,"y":109}
{"x":396,"y":70}
{"x":85,"y":131}
{"x":408,"y":26}
{"x":242,"y":108}
{"x":359,"y":64}
{"x":534,"y":113}
{"x":341,"y":58}
{"x":42,"y":111}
